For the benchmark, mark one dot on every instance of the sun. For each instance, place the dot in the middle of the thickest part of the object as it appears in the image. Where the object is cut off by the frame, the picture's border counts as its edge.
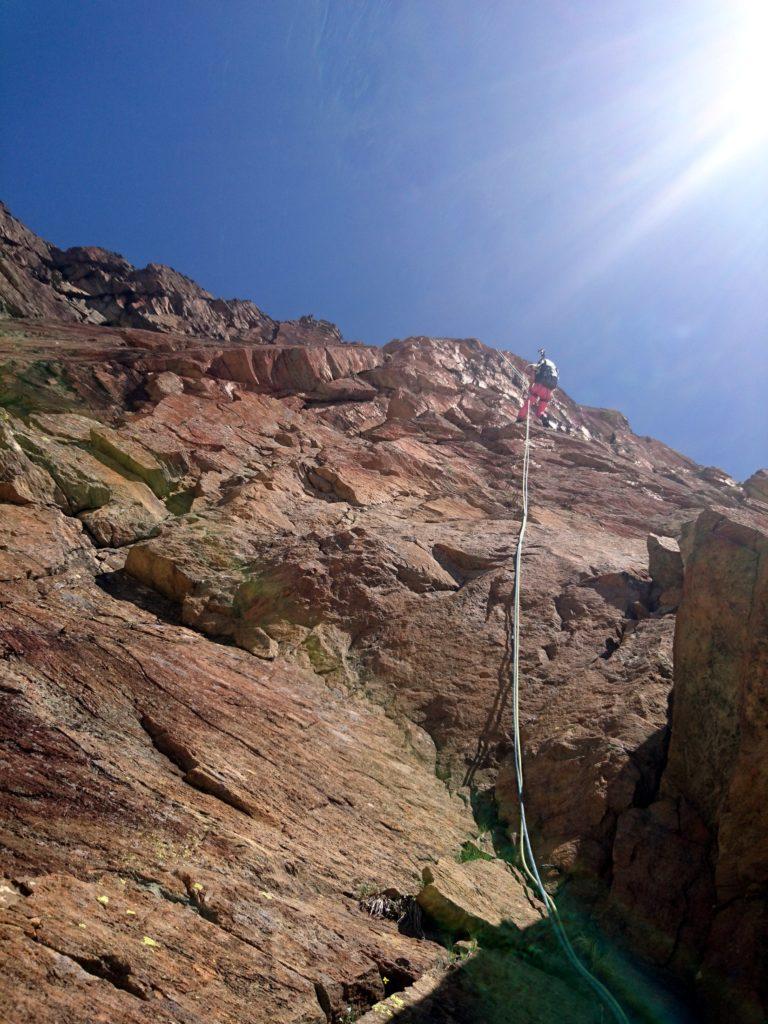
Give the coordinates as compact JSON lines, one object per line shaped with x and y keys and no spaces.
{"x":715,"y":58}
{"x":743,"y":73}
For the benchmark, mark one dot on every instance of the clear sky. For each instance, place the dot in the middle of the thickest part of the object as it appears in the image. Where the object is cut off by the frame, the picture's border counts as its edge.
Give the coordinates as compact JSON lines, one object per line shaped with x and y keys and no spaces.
{"x":588,"y":176}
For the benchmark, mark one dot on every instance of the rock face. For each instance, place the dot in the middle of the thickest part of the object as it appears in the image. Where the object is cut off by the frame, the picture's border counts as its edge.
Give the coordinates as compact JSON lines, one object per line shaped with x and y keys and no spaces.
{"x":255,"y":629}
{"x":665,"y":566}
{"x":691,"y":867}
{"x":757,"y":486}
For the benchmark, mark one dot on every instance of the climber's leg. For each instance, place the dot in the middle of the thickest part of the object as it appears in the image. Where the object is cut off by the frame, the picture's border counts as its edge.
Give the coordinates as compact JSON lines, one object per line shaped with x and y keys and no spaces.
{"x":543,"y":396}
{"x":524,"y":407}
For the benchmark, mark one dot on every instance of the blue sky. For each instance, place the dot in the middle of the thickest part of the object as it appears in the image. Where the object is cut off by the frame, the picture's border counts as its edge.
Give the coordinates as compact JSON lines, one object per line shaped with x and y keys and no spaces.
{"x":568,"y":173}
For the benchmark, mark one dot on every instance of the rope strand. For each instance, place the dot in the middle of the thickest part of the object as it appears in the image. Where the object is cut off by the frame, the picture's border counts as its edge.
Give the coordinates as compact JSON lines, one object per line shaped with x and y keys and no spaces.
{"x":527,"y":857}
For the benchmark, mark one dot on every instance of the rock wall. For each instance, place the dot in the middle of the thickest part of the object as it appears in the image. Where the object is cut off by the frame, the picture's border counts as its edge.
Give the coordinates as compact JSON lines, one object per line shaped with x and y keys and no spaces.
{"x":255,"y":616}
{"x":691,"y":868}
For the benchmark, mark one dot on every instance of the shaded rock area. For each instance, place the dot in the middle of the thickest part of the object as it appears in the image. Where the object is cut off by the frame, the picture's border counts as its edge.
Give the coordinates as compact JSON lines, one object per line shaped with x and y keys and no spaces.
{"x":692,"y":866}
{"x":255,"y":649}
{"x":665,"y":567}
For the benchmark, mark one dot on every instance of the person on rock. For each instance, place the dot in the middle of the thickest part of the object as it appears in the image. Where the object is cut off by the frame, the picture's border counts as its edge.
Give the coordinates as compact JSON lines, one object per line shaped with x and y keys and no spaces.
{"x":544,"y":382}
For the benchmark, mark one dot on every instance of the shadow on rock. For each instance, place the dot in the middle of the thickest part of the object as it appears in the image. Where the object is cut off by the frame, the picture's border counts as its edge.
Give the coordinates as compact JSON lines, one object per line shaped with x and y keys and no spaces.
{"x":520,"y":976}
{"x":123,"y":587}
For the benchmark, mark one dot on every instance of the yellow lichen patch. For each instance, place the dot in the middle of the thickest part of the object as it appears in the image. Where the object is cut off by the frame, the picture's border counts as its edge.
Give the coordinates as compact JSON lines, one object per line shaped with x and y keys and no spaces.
{"x":383,"y":1010}
{"x":131,"y":912}
{"x":266,"y":895}
{"x":197,"y":887}
{"x":103,"y":899}
{"x":147,"y":941}
{"x":387,"y":1009}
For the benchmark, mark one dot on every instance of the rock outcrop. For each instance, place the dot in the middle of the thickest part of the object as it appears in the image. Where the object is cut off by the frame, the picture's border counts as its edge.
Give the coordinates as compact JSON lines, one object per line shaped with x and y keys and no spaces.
{"x":691,"y":867}
{"x":91,"y":285}
{"x":255,"y":629}
{"x":757,"y":486}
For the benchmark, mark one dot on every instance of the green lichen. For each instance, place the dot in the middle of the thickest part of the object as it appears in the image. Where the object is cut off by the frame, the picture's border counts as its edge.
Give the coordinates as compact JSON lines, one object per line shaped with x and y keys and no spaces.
{"x":469,"y":852}
{"x":41,"y":386}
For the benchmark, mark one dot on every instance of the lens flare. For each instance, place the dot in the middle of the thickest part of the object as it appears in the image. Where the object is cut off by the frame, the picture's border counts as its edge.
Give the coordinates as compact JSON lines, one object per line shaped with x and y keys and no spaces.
{"x":743,"y":106}
{"x":716,"y":66}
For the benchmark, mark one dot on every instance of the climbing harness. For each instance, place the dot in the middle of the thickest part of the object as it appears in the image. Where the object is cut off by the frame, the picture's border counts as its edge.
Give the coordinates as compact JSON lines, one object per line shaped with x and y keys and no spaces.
{"x":526,"y":850}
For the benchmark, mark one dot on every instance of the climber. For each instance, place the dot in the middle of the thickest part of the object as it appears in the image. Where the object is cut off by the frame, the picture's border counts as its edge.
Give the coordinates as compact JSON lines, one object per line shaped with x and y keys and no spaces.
{"x":544,"y":374}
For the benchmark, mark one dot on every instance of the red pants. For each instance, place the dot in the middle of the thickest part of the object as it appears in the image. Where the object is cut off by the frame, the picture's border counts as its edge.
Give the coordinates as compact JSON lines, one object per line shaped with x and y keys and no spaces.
{"x":540,"y":397}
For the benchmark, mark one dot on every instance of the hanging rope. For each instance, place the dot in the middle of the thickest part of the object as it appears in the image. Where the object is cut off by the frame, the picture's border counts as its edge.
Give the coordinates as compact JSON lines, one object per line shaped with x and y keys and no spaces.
{"x":526,"y":851}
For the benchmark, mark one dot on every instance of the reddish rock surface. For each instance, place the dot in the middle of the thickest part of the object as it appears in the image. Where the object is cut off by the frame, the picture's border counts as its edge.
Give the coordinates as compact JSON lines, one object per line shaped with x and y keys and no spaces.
{"x":255,"y":616}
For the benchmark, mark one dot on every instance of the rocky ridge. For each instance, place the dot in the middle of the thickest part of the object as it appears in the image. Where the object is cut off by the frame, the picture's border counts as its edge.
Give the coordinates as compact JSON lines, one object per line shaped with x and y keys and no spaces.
{"x":87,"y":284}
{"x":255,"y":629}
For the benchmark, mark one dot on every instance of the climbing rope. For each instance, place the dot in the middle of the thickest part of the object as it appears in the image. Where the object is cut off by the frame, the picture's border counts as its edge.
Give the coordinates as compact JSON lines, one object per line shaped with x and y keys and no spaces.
{"x":527,"y":857}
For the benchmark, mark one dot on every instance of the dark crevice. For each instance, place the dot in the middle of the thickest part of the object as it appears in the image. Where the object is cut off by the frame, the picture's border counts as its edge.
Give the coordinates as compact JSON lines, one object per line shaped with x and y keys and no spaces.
{"x":344,"y":1001}
{"x":122,"y":587}
{"x":179,"y":755}
{"x":199,"y":776}
{"x":179,"y":503}
{"x":446,"y":563}
{"x":485,"y":811}
{"x":324,"y":1000}
{"x":108,"y":967}
{"x":193,"y":899}
{"x":328,"y":403}
{"x":651,"y":760}
{"x":395,"y":977}
{"x":391,"y":905}
{"x":612,"y":645}
{"x":116,"y":971}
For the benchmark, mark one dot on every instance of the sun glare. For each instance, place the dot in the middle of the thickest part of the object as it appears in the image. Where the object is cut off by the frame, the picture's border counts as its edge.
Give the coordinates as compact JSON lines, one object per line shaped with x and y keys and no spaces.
{"x":743,"y":106}
{"x":721,"y":71}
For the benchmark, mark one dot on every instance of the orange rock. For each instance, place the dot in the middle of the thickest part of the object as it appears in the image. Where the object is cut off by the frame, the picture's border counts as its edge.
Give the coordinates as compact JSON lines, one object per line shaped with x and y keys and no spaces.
{"x":307,"y":654}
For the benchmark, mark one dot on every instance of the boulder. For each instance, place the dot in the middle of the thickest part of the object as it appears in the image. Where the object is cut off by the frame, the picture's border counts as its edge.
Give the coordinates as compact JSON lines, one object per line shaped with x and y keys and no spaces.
{"x":118,"y":523}
{"x":476,"y":896}
{"x":135,"y":457}
{"x":161,"y":385}
{"x":39,"y":542}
